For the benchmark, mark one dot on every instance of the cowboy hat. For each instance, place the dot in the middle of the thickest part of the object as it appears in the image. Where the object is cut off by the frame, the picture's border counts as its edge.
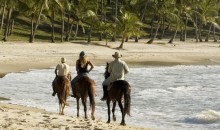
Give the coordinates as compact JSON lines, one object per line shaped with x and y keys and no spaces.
{"x":117,"y":55}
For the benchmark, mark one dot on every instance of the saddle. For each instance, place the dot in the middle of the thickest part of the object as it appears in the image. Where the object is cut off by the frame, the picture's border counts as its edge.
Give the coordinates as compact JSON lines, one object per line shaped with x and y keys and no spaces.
{"x":59,"y":81}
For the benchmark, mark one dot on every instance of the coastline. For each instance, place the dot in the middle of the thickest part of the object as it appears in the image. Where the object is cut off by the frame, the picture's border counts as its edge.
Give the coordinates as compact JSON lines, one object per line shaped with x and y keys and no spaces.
{"x":19,"y":117}
{"x":19,"y":57}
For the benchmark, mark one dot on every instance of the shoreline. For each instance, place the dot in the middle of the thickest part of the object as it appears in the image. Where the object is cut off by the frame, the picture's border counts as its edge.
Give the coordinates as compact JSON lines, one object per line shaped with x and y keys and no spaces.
{"x":19,"y":57}
{"x":35,"y":118}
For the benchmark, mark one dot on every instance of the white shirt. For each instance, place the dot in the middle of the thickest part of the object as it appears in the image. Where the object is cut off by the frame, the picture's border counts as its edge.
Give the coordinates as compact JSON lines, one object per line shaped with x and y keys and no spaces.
{"x":118,"y":69}
{"x":63,"y":69}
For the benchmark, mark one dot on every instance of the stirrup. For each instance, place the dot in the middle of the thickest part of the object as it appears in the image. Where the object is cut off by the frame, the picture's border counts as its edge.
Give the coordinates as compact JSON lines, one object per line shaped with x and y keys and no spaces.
{"x":103,"y":99}
{"x":53,"y":94}
{"x":72,"y":95}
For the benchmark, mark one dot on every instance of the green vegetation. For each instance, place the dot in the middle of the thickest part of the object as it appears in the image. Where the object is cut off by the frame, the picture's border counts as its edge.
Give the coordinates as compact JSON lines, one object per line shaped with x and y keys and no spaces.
{"x":66,"y":20}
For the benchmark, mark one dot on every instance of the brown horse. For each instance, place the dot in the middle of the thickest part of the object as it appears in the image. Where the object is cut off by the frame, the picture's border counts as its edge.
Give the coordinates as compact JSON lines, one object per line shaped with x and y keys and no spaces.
{"x":61,"y":86}
{"x":118,"y":90}
{"x":85,"y":87}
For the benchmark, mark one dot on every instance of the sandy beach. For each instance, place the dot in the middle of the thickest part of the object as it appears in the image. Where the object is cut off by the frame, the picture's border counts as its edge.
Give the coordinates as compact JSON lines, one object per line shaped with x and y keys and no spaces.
{"x":20,"y":56}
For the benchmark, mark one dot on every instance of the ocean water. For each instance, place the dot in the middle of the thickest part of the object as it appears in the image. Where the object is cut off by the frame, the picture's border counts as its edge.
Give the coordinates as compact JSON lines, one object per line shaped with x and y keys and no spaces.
{"x":165,"y":98}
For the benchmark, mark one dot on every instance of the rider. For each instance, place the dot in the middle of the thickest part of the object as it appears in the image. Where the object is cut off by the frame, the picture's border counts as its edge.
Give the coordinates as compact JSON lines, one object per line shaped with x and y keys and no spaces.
{"x":117,"y":70}
{"x":61,"y":72}
{"x":82,"y":69}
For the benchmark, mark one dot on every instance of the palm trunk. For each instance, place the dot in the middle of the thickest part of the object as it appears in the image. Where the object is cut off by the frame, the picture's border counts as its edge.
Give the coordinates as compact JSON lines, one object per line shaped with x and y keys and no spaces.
{"x":31,"y":40}
{"x":152,"y":28}
{"x":122,"y":42}
{"x":90,"y":34}
{"x":106,"y":41}
{"x":68,"y":27}
{"x":181,"y":34}
{"x":77,"y":28}
{"x":62,"y":28}
{"x":174,"y":36}
{"x":136,"y":38}
{"x":11,"y":27}
{"x":200,"y":32}
{"x":102,"y":17}
{"x":70,"y":31}
{"x":207,"y":36}
{"x":196,"y":29}
{"x":32,"y":28}
{"x":162,"y":29}
{"x":116,"y":15}
{"x":7,"y":25}
{"x":52,"y":27}
{"x":155,"y":35}
{"x":185,"y":30}
{"x":215,"y":40}
{"x":126,"y":39}
{"x":3,"y":15}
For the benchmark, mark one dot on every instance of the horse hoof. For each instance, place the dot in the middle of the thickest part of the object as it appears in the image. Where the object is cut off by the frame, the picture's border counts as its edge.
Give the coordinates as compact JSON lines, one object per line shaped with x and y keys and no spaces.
{"x":108,"y":122}
{"x":123,"y":124}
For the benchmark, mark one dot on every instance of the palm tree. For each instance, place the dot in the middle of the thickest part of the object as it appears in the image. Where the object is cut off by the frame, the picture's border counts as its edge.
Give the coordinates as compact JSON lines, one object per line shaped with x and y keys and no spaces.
{"x":4,"y":2}
{"x":35,"y":10}
{"x":86,"y":15}
{"x":54,"y":8}
{"x":128,"y":25}
{"x":10,"y":6}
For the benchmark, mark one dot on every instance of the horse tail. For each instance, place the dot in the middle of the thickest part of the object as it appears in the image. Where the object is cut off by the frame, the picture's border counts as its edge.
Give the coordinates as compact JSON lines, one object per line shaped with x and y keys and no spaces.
{"x":91,"y":91}
{"x":127,"y":99}
{"x":64,"y":92}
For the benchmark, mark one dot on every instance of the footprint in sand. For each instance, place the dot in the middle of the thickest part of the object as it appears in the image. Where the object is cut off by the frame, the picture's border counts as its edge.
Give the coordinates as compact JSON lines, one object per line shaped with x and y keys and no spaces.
{"x":54,"y":118}
{"x":46,"y":116}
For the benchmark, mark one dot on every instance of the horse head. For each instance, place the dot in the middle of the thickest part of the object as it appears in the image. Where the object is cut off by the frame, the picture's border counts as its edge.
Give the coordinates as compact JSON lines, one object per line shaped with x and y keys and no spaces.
{"x":106,"y":74}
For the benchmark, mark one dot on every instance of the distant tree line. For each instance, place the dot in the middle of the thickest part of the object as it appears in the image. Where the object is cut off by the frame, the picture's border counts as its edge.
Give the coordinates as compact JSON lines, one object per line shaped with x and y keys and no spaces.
{"x":115,"y":18}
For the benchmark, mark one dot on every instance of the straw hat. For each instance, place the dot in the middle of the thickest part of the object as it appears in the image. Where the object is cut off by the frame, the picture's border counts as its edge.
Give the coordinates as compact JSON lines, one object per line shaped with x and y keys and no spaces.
{"x":63,"y":60}
{"x":117,"y":55}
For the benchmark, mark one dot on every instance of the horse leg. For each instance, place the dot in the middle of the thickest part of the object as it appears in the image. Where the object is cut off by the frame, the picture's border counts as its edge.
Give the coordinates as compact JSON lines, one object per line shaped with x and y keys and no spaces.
{"x":85,"y":107}
{"x":77,"y":100}
{"x":60,"y":105}
{"x":93,"y":108}
{"x":122,"y":112}
{"x":113,"y":111}
{"x":109,"y":112}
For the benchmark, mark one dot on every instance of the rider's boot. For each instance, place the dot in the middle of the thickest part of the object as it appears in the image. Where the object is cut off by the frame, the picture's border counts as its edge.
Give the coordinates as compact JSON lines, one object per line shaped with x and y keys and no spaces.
{"x":105,"y":92}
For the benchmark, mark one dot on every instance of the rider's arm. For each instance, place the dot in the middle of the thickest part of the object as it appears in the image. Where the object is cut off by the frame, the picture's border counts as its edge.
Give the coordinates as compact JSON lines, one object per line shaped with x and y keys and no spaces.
{"x":77,"y":64}
{"x":91,"y":66}
{"x":56,"y":70}
{"x":126,"y":68}
{"x":109,"y":67}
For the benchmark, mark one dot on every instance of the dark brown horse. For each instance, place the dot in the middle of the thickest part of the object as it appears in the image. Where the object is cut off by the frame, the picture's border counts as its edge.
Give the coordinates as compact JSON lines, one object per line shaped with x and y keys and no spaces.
{"x":61,"y":86}
{"x":118,"y":90}
{"x":85,"y":87}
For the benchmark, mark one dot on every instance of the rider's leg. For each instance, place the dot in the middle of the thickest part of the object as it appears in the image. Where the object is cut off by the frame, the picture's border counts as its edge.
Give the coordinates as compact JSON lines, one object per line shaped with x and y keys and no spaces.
{"x":105,"y":86}
{"x":105,"y":93}
{"x":53,"y":85}
{"x":73,"y":85}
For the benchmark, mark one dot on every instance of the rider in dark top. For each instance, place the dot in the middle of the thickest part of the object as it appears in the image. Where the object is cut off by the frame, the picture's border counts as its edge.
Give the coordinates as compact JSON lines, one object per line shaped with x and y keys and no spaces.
{"x":82,"y":69}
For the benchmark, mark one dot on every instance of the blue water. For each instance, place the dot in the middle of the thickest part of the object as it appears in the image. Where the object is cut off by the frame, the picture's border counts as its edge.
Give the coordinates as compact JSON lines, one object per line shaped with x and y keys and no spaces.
{"x":165,"y":98}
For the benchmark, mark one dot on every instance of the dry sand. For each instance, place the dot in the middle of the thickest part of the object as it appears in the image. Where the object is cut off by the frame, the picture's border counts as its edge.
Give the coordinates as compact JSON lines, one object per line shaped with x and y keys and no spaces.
{"x":19,"y":56}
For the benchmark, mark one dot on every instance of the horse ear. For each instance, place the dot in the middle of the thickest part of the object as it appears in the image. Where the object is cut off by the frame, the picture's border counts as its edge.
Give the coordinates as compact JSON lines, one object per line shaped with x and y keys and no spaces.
{"x":107,"y":63}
